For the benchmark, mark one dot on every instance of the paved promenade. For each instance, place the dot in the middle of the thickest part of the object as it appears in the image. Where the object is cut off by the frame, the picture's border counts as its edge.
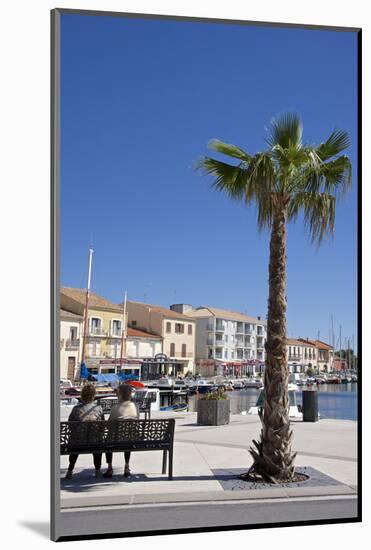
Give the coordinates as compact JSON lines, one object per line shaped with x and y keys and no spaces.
{"x":206,"y":461}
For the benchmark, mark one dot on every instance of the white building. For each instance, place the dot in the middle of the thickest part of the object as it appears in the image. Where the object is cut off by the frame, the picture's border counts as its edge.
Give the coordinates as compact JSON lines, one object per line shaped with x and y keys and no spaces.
{"x":301,"y":355}
{"x":227,"y":342}
{"x":177,"y":332}
{"x":141,"y":344}
{"x":71,"y":328}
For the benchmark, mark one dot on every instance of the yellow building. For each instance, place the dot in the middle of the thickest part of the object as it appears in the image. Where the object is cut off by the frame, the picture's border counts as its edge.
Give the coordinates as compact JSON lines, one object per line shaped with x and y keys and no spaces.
{"x":104,"y":328}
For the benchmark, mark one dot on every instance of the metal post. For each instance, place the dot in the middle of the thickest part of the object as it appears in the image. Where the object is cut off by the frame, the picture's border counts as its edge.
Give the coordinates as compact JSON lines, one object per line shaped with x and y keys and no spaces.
{"x":87,"y":305}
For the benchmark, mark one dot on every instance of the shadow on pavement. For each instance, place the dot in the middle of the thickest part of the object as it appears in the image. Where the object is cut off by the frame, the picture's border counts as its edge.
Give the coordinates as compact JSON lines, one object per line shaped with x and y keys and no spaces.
{"x":40,"y":527}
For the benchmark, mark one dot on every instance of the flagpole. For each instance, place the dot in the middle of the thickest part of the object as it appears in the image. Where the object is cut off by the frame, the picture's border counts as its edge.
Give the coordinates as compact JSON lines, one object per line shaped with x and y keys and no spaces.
{"x":123,"y":332}
{"x":86,"y":307}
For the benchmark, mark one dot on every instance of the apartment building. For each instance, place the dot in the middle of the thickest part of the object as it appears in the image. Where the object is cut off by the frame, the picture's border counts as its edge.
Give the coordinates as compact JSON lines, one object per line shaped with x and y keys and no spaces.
{"x":301,"y":355}
{"x":141,"y":344}
{"x":325,"y":355}
{"x":177,"y":332}
{"x":227,"y":342}
{"x":104,"y":329}
{"x":70,"y":344}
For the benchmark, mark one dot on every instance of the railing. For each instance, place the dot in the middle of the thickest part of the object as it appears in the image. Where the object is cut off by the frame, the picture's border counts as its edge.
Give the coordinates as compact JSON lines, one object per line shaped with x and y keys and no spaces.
{"x":115,"y":332}
{"x":240,"y":329}
{"x":97,"y":331}
{"x":220,"y":343}
{"x":294,"y":357}
{"x":72,"y":344}
{"x":219,"y":328}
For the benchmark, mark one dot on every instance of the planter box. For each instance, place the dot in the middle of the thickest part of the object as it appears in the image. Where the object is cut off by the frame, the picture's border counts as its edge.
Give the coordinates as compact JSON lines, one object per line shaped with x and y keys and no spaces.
{"x":213,"y":412}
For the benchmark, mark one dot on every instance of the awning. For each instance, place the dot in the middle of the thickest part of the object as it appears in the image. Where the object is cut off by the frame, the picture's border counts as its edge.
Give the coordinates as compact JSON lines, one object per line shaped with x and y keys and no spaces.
{"x":111,"y":378}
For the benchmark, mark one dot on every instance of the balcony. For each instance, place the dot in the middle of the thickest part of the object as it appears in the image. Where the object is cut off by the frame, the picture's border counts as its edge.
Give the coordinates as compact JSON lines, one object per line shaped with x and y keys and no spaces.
{"x":294,"y":357}
{"x":96,"y":331}
{"x":115,"y":333}
{"x":73,"y":344}
{"x":240,"y":329}
{"x":220,"y":343}
{"x":181,"y":355}
{"x":219,"y":327}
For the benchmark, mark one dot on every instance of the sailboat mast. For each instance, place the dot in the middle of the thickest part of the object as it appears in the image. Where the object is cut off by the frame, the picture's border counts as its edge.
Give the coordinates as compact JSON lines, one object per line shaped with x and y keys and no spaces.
{"x":87,"y":306}
{"x":123,"y":332}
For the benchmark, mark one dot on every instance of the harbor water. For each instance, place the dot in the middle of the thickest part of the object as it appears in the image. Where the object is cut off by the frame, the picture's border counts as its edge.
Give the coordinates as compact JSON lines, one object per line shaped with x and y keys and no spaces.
{"x":334,"y":400}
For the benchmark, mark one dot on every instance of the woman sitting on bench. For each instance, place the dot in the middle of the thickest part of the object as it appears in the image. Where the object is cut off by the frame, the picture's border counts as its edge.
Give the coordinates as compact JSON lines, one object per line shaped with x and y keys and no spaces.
{"x":124,"y":410}
{"x":86,"y":411}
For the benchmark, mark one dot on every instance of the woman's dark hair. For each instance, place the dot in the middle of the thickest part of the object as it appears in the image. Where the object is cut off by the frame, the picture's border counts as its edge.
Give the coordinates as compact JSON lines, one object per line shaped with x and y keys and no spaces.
{"x":124,"y":392}
{"x":88,"y":393}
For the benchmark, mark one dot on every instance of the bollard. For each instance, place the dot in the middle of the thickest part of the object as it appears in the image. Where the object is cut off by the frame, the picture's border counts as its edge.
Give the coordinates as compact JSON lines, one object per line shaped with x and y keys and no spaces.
{"x":310,"y":406}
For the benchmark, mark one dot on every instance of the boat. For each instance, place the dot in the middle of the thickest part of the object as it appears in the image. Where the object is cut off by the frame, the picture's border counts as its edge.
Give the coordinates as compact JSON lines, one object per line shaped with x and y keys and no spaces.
{"x":295,"y":412}
{"x":253,"y":384}
{"x":177,"y":407}
{"x":203,"y":386}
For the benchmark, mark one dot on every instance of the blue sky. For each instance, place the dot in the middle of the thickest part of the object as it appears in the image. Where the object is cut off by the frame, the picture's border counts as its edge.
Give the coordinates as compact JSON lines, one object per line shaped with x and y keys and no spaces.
{"x":140,"y":101}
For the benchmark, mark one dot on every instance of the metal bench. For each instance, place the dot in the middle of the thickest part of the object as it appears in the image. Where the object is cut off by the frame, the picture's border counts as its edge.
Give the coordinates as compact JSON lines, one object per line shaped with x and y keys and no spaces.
{"x":118,"y":436}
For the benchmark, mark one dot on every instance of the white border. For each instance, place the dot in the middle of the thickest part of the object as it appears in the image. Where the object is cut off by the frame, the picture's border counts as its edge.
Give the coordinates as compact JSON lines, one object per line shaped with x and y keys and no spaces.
{"x":24,"y":218}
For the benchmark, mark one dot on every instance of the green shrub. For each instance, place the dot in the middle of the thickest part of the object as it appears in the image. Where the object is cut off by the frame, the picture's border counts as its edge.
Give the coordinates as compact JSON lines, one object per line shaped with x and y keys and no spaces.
{"x":215,"y":395}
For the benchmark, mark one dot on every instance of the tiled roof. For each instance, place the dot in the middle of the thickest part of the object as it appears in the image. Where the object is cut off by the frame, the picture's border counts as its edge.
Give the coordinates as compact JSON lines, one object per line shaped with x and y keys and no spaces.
{"x":95,"y":301}
{"x":299,"y":342}
{"x":64,"y":314}
{"x":168,"y":313}
{"x":317,"y":343}
{"x":136,"y":333}
{"x":206,"y":311}
{"x":322,"y":345}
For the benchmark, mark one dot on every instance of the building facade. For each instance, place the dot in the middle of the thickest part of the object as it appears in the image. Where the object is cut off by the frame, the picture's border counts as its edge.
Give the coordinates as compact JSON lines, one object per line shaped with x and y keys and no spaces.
{"x":141,"y":344}
{"x":70,"y":344}
{"x":104,"y":329}
{"x":301,"y":355}
{"x":177,"y":332}
{"x":227,"y":342}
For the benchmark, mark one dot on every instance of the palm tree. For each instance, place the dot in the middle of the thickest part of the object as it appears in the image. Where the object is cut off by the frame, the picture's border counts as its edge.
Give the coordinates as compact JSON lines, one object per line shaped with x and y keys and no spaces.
{"x":286,"y":179}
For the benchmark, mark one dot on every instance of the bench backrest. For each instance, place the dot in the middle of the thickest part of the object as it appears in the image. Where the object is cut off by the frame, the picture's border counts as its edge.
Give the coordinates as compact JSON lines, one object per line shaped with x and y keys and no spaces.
{"x":114,"y":434}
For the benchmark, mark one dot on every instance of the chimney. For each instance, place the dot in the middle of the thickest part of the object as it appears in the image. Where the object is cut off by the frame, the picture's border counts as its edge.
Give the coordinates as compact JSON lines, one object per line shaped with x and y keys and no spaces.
{"x":181,"y":308}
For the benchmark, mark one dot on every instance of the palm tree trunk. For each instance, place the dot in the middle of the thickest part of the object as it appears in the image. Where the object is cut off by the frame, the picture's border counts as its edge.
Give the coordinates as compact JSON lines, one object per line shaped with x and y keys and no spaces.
{"x":273,"y":459}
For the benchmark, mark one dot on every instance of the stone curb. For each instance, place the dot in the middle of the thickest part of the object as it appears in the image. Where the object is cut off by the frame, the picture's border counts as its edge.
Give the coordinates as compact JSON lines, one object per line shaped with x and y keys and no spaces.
{"x":206,"y":496}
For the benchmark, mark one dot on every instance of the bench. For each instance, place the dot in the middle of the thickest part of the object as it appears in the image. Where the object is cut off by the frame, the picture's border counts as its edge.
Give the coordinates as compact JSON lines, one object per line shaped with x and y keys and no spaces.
{"x":143,"y":405}
{"x":117,"y":436}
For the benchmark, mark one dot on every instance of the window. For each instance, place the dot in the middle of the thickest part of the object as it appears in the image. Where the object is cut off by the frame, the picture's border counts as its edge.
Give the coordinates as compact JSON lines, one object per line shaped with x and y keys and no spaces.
{"x":116,"y":327}
{"x":225,"y":354}
{"x":95,"y":325}
{"x":133,"y":323}
{"x":168,"y":326}
{"x":73,"y":333}
{"x":184,"y":350}
{"x":94,"y":348}
{"x":172,"y":350}
{"x":179,"y":328}
{"x":189,"y":329}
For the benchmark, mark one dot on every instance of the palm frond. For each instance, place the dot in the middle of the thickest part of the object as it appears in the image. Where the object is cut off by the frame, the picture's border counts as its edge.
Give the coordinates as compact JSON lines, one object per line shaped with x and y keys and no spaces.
{"x":285,"y":130}
{"x":334,"y":145}
{"x":228,"y":178}
{"x":229,"y":149}
{"x":319,"y":213}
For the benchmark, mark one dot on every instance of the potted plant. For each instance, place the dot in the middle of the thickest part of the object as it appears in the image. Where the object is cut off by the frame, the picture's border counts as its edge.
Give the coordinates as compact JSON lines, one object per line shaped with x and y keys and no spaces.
{"x":213,"y":409}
